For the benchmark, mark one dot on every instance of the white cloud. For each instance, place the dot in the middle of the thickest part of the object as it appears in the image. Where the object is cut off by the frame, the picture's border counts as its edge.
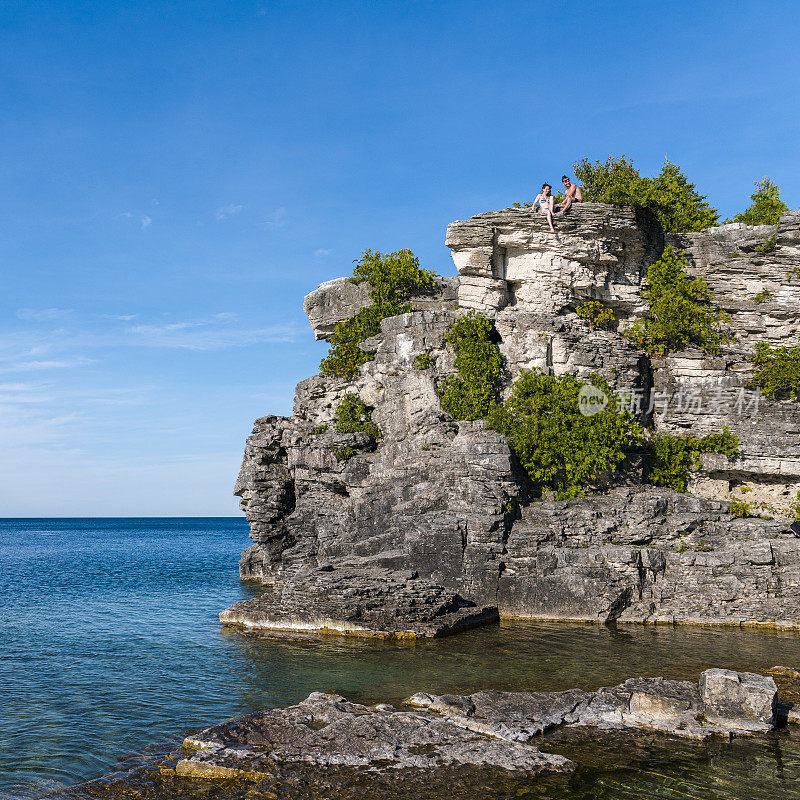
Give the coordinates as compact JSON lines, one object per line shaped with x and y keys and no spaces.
{"x":322,"y":253}
{"x":216,"y":333}
{"x":276,"y":219}
{"x":33,"y":366}
{"x":146,"y":222}
{"x":230,"y":210}
{"x":157,"y":329}
{"x":43,"y":314}
{"x":121,"y":317}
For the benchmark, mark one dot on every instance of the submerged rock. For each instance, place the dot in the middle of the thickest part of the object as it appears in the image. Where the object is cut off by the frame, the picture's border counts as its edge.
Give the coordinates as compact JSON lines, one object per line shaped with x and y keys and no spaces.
{"x":488,"y":728}
{"x":328,"y":731}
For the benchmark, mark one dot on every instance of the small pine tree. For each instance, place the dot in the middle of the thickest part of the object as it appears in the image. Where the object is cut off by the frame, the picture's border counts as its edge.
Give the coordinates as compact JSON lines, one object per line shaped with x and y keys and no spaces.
{"x":681,"y":311}
{"x":680,"y":207}
{"x":767,"y":206}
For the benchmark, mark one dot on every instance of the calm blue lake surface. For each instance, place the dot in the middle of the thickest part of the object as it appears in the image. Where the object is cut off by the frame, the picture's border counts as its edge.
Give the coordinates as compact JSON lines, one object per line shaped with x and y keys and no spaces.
{"x":110,"y":641}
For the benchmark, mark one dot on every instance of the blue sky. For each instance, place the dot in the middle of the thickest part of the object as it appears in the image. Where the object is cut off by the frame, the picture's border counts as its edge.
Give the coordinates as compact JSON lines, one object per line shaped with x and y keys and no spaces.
{"x":176,"y":176}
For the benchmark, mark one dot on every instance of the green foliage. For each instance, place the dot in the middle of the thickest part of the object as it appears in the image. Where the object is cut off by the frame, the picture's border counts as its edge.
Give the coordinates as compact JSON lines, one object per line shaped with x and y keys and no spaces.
{"x":680,"y":310}
{"x":672,"y":457}
{"x":470,"y":394}
{"x":734,"y":254}
{"x":794,"y":507}
{"x":767,"y":246}
{"x":777,"y":371}
{"x":674,"y":199}
{"x":345,"y":354}
{"x":344,"y":453}
{"x":615,"y":181}
{"x":767,"y":206}
{"x":423,"y":360}
{"x":393,"y":279}
{"x":763,"y":296}
{"x":558,"y":447}
{"x":679,"y":206}
{"x":596,"y":314}
{"x":739,"y":508}
{"x":683,"y":547}
{"x":319,"y":429}
{"x":353,"y":416}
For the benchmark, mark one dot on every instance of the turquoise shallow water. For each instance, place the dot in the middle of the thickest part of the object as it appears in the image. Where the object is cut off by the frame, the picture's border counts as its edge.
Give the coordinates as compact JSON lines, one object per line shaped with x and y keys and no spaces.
{"x":110,"y":641}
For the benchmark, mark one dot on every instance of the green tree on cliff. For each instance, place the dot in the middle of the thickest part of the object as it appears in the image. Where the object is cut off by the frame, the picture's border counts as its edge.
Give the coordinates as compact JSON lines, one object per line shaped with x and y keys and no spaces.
{"x":767,"y":206}
{"x":681,"y":311}
{"x":672,"y":197}
{"x":680,"y":207}
{"x":393,"y":279}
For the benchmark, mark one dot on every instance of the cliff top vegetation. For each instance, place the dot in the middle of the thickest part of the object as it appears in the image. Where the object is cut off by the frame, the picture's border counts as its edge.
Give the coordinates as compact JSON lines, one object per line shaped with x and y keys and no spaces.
{"x":672,"y":197}
{"x":393,"y":279}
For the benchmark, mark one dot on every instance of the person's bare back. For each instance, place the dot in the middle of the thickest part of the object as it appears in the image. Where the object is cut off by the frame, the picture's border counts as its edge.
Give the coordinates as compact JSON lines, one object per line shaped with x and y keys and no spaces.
{"x":572,"y":194}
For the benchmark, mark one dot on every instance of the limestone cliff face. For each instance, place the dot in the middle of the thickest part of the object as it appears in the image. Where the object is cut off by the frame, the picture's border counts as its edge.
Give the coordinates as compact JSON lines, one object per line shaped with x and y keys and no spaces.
{"x":432,"y":530}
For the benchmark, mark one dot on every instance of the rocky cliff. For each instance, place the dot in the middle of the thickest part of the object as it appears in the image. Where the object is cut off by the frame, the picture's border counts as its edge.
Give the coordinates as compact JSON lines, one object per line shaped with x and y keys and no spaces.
{"x":433,"y":528}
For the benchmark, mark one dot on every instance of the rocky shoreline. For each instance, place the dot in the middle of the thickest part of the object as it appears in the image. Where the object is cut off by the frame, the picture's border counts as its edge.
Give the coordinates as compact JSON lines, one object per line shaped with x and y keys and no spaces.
{"x":328,"y":744}
{"x":432,"y":527}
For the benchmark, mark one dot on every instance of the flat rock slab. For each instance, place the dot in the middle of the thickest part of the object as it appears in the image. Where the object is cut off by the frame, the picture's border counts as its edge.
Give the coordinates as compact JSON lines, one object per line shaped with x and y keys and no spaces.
{"x":328,"y":731}
{"x":677,"y":708}
{"x":363,"y":602}
{"x":743,"y":696}
{"x":513,"y":716}
{"x":486,"y":729}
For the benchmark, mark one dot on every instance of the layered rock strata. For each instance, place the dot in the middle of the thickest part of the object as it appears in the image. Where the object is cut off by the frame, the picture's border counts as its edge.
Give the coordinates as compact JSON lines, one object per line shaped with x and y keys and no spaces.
{"x":489,"y":728}
{"x":433,"y":527}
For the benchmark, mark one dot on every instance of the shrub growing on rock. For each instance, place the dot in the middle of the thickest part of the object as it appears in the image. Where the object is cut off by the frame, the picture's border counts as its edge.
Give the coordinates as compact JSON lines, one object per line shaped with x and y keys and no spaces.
{"x":681,"y":312}
{"x":470,"y":394}
{"x":740,"y":508}
{"x":614,"y":181}
{"x":558,"y":447}
{"x":599,"y":316}
{"x":393,"y":278}
{"x":794,"y":507}
{"x":678,"y":205}
{"x":672,"y":197}
{"x":354,"y":416}
{"x":777,"y":371}
{"x":345,"y":354}
{"x":767,"y":206}
{"x":344,"y":453}
{"x":673,"y":457}
{"x":423,"y":360}
{"x":769,"y":245}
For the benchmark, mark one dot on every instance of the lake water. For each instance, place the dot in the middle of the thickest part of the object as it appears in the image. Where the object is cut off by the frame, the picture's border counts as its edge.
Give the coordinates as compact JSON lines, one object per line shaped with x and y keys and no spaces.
{"x":110,"y":641}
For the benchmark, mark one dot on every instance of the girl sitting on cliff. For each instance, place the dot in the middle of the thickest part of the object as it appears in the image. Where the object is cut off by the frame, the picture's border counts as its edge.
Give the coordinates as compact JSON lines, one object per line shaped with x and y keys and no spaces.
{"x":545,"y":201}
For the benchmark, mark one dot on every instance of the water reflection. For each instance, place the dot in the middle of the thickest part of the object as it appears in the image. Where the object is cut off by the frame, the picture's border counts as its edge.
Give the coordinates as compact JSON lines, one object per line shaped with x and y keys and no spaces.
{"x":514,"y":655}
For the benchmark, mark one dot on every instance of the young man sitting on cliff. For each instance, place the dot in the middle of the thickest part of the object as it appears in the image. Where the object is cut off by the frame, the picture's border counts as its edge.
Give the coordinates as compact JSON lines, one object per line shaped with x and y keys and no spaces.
{"x":572,"y":194}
